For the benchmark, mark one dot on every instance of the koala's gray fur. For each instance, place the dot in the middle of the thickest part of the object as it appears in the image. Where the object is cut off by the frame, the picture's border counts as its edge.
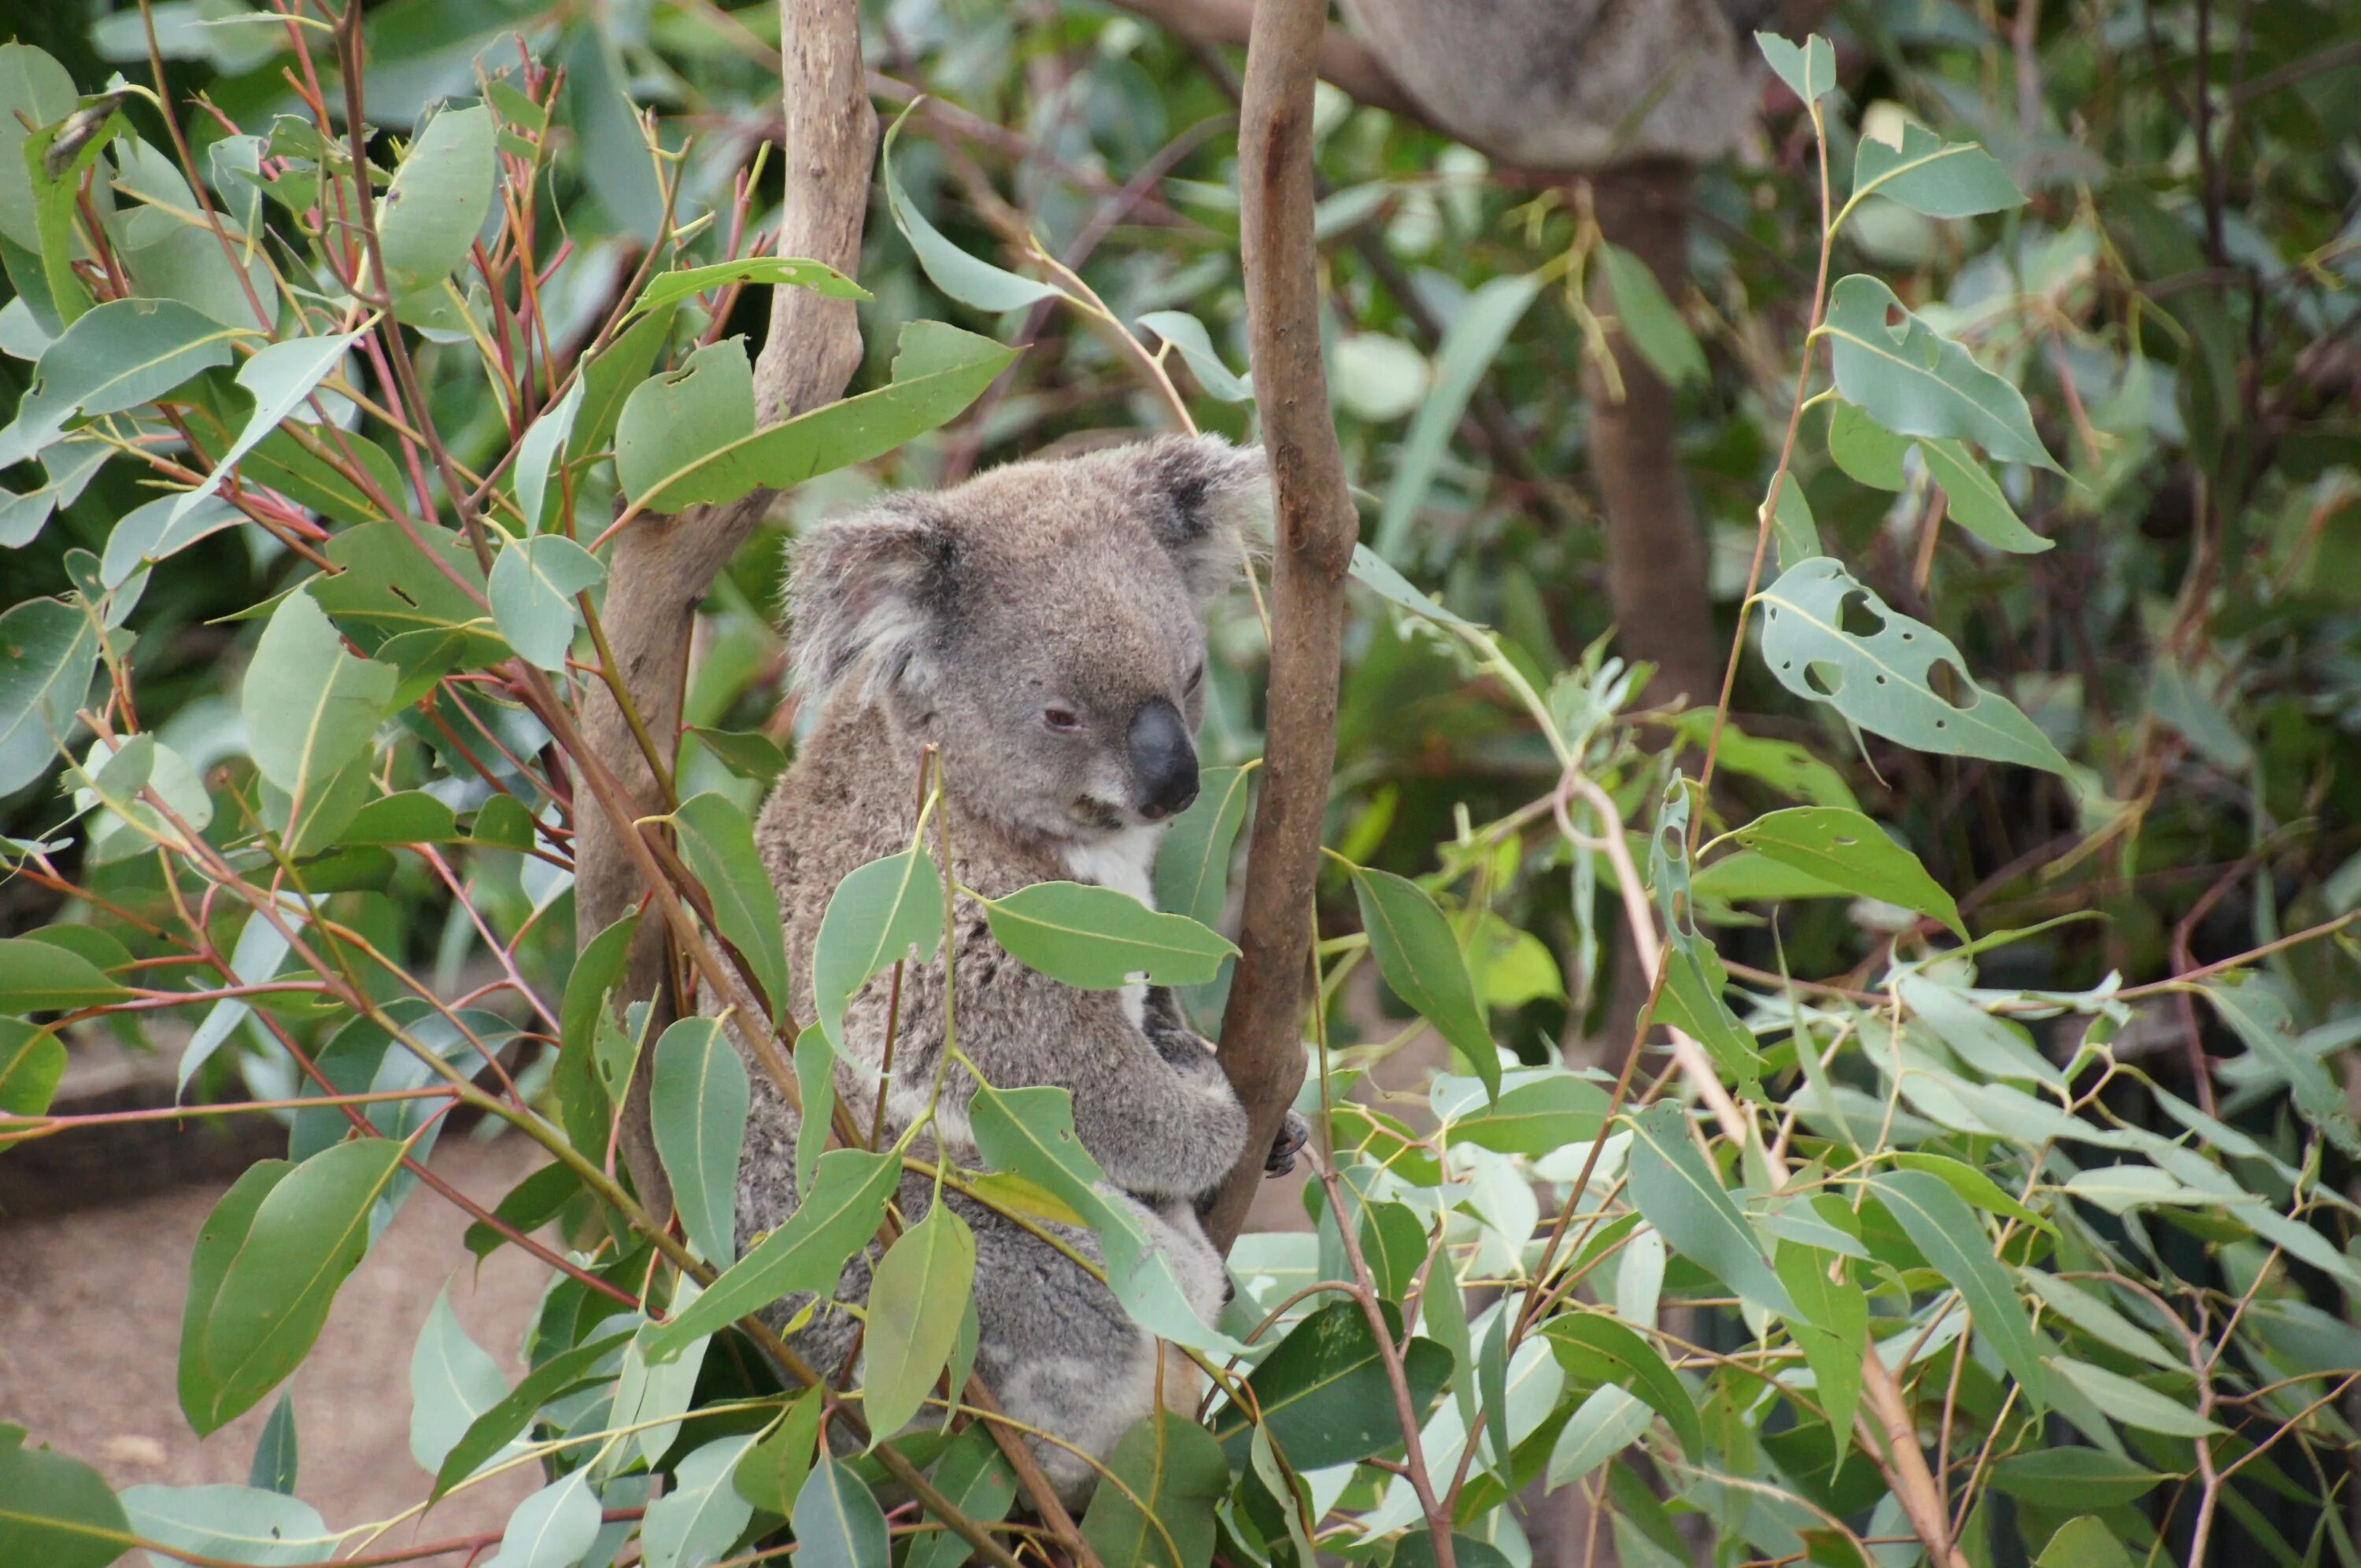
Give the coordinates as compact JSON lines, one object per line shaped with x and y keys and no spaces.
{"x":961,"y":620}
{"x":1573,"y":84}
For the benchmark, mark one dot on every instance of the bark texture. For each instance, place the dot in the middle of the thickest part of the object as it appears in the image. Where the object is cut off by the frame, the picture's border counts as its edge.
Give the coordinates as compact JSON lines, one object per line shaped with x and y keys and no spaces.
{"x":1261,"y":1046}
{"x":663,"y":565}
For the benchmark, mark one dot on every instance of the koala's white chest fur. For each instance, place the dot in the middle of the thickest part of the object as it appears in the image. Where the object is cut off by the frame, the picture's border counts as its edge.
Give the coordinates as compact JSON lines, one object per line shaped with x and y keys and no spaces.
{"x":1126,"y":861}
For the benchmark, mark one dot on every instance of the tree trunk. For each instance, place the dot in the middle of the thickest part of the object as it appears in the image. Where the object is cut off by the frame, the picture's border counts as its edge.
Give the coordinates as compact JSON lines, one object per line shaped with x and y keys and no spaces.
{"x":1655,"y":552}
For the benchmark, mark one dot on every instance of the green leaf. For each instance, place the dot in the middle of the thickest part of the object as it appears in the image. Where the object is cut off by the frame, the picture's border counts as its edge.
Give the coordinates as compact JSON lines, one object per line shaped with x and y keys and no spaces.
{"x":218,"y":1240}
{"x":235,"y":1524}
{"x":453,"y":1381}
{"x":718,"y":842}
{"x":2258,"y":1015}
{"x":40,"y":977}
{"x":878,"y":916}
{"x":613,"y":373}
{"x":31,"y":1062}
{"x":1178,"y":1472}
{"x":1192,"y":868}
{"x":282,"y":376}
{"x":748,"y":753}
{"x":2132,"y":1402}
{"x":976,"y":1479}
{"x":275,"y":1458}
{"x":532,"y":586}
{"x":1944,"y":1230}
{"x":837,"y":1215}
{"x":1809,"y":69}
{"x":308,"y":1232}
{"x":1691,"y":999}
{"x":938,"y":372}
{"x":1420,"y":959}
{"x":1596,"y":1348}
{"x":1679,"y":1194}
{"x":540,"y":446}
{"x":700,"y":1515}
{"x":116,"y":357}
{"x":55,"y":1512}
{"x":47,"y":650}
{"x":157,"y":531}
{"x":429,"y":218}
{"x":1100,"y":939}
{"x":1187,"y":333}
{"x":1792,"y":526}
{"x":2088,"y":1312}
{"x":1848,"y":851}
{"x":1866,"y":450}
{"x":1603,"y":1425}
{"x":529,"y":1205}
{"x":916,"y":1298}
{"x":1030,"y":1132}
{"x":838,"y":1524}
{"x":772,"y":1471}
{"x":698,"y":1104}
{"x":1994,"y":1046}
{"x":1650,"y":321}
{"x":778,"y":271}
{"x":1883,"y":680}
{"x":1470,"y":343}
{"x":1536,"y":1118}
{"x":1926,"y":174}
{"x":1916,"y":382}
{"x":490,"y":1432}
{"x":675,"y":421}
{"x":554,"y":1528}
{"x":1832,"y":1328}
{"x":410,"y":817}
{"x":2086,"y":1542}
{"x":1374,"y":573}
{"x":2074,"y":1478}
{"x":310,"y":706}
{"x":35,"y":91}
{"x":1323,"y":1393}
{"x":964,"y":277}
{"x":1970,"y":1184}
{"x":1975,"y":500}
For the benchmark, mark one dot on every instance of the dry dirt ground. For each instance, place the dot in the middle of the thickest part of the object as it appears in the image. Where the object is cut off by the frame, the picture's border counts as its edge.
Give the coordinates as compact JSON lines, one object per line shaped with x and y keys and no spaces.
{"x":90,"y":1330}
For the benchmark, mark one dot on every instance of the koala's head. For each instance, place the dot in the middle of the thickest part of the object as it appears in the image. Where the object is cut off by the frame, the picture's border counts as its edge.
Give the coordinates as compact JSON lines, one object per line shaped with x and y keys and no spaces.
{"x":1041,"y":623}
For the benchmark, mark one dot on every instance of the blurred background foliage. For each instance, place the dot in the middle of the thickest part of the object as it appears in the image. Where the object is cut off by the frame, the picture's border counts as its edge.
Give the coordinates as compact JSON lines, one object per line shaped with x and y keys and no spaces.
{"x":2176,"y":300}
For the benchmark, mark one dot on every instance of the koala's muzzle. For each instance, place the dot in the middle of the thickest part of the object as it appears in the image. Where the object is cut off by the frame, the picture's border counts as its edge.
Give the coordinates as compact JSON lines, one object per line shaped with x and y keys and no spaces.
{"x":1163,"y":762}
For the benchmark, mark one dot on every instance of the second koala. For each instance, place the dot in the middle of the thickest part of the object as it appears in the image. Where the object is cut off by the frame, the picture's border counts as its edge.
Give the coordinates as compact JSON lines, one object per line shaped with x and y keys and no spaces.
{"x":1041,"y":627}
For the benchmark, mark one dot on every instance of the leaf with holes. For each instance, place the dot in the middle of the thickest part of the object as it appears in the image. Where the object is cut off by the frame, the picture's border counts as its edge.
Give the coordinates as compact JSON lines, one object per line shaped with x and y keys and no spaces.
{"x":1929,"y":175}
{"x":1915,"y":381}
{"x":1809,"y":69}
{"x":1883,"y":680}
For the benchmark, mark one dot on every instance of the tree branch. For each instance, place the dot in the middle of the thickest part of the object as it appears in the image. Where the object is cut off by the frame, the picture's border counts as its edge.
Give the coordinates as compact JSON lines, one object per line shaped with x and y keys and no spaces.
{"x":663,"y":565}
{"x":1261,"y":1028}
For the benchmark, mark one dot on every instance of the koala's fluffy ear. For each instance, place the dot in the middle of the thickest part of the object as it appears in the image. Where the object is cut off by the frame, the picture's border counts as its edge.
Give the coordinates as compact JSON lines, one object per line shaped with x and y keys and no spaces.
{"x":1208,"y":498}
{"x":866,"y":590}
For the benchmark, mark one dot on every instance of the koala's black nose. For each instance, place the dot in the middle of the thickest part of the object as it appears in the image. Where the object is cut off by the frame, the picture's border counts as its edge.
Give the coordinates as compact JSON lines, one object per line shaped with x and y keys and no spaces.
{"x":1163,"y":763}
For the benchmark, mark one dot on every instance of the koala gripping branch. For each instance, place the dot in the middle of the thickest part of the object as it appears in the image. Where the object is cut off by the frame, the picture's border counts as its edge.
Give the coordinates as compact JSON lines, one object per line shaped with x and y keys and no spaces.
{"x":1262,"y":1029}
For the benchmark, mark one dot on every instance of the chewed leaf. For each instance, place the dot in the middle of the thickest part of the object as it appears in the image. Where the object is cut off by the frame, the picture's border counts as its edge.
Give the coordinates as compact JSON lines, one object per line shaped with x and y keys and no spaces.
{"x":1926,"y":174}
{"x":1916,"y":382}
{"x":1809,"y":69}
{"x":1883,"y":679}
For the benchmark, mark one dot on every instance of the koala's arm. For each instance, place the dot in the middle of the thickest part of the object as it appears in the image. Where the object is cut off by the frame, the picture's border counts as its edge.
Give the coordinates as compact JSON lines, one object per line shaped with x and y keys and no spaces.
{"x":1151,"y":1106}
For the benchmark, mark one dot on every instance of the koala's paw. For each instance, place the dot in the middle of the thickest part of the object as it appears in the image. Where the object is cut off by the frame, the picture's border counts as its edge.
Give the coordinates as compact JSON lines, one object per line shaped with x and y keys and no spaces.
{"x":1292,"y":1134}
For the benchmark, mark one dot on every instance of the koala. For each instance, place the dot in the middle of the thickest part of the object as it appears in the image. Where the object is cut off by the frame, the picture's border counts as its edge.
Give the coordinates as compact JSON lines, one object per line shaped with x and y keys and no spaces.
{"x":1041,"y":627}
{"x":1573,"y":84}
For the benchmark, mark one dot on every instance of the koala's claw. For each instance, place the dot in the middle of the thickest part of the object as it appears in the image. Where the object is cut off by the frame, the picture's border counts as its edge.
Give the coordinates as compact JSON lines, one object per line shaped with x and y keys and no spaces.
{"x":1292,"y":1134}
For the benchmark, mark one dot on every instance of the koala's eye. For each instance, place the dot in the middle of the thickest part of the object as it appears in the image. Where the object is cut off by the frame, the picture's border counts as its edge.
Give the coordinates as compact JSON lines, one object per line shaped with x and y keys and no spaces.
{"x":1196,"y":679}
{"x":1063,"y":720}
